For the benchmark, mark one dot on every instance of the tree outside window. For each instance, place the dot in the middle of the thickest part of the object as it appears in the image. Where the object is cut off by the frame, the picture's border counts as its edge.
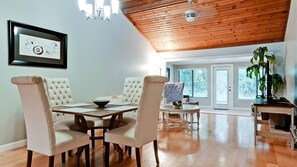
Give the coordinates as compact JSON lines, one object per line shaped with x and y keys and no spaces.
{"x":246,"y":86}
{"x":200,"y":82}
{"x":196,"y":82}
{"x":185,"y":76}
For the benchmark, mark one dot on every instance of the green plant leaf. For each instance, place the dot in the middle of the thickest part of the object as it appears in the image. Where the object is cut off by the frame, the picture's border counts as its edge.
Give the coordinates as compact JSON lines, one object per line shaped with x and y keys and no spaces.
{"x":265,"y":49}
{"x":271,"y":58}
{"x":262,"y":83}
{"x":256,"y":72}
{"x":277,"y":82}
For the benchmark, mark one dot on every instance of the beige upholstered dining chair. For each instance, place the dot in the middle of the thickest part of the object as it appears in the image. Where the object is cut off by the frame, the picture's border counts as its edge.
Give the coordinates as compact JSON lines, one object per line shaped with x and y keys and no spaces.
{"x":41,"y":135}
{"x":132,"y":90}
{"x":131,"y":94}
{"x":145,"y":129}
{"x":59,"y":93}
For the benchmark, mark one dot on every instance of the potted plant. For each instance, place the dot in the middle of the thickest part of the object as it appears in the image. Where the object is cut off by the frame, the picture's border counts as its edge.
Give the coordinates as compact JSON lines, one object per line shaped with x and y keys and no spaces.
{"x":260,"y":70}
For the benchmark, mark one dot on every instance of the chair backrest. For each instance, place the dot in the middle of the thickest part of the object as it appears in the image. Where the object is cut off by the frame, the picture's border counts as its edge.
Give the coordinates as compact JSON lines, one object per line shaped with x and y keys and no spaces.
{"x":37,"y":114}
{"x":59,"y":93}
{"x":132,"y":90}
{"x":148,"y":109}
{"x":173,"y":91}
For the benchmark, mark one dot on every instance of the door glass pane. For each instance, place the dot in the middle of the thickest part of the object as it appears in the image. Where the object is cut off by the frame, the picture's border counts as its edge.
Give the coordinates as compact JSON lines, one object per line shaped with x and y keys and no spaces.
{"x":186,"y":77}
{"x":200,"y":82}
{"x":221,"y":87}
{"x":246,"y":86}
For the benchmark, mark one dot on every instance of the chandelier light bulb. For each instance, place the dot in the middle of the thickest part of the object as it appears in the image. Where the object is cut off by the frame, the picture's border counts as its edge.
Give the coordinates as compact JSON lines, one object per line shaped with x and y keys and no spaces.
{"x":89,"y":10}
{"x":115,"y":5}
{"x":82,"y":5}
{"x":106,"y":11}
{"x":99,"y":4}
{"x":99,"y":8}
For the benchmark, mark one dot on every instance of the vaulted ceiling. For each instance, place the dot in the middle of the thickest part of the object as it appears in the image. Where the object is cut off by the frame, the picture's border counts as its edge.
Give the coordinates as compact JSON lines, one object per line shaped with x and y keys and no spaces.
{"x":222,"y":23}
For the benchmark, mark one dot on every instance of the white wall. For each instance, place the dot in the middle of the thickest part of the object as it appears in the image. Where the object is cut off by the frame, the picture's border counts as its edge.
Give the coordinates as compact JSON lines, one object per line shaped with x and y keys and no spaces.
{"x":100,"y":55}
{"x":291,"y":52}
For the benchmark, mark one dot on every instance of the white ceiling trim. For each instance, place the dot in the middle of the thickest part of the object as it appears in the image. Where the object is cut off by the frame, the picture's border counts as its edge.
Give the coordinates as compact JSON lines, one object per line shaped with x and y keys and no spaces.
{"x":218,"y":55}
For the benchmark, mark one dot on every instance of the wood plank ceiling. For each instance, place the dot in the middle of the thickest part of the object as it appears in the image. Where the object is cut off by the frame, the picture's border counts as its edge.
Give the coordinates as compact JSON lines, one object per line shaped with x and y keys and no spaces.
{"x":222,"y":23}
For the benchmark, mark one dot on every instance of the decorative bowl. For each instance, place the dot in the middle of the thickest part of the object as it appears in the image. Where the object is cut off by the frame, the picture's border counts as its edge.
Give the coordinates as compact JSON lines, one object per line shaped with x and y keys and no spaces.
{"x":101,"y":103}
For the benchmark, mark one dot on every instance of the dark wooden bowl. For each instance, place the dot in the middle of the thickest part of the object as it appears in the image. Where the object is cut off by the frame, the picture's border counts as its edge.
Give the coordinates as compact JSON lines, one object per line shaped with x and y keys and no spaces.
{"x":101,"y":103}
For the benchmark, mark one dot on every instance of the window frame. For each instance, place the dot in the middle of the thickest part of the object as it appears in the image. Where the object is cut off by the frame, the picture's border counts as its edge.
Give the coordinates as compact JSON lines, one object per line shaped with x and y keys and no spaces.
{"x":192,"y":73}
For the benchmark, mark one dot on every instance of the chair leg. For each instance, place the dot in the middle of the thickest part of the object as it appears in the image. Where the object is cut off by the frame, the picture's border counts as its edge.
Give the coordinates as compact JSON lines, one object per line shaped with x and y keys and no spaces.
{"x":106,"y":157}
{"x":156,"y":151}
{"x":129,"y":150}
{"x":69,"y":153}
{"x":63,"y":157}
{"x":93,"y":137}
{"x":87,"y":155}
{"x":51,"y":161}
{"x":104,"y":130}
{"x":137,"y":150}
{"x":78,"y":153}
{"x":29,"y":158}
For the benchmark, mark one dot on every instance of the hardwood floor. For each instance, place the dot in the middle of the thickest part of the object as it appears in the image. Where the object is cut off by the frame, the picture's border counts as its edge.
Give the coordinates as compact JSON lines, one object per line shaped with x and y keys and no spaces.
{"x":221,"y":141}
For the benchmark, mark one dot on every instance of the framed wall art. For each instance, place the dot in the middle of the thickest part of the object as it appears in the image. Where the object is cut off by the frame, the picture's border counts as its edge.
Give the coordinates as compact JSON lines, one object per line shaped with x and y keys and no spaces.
{"x":35,"y":46}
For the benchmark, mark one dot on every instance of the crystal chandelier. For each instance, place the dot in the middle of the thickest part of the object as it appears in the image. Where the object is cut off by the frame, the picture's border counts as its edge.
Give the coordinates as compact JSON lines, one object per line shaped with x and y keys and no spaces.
{"x":99,"y":8}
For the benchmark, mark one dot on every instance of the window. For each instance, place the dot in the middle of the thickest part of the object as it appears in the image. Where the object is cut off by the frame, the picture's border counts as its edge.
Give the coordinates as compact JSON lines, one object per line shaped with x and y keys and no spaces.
{"x":195,"y":80}
{"x":246,"y":86}
{"x":200,"y":82}
{"x":186,"y":76}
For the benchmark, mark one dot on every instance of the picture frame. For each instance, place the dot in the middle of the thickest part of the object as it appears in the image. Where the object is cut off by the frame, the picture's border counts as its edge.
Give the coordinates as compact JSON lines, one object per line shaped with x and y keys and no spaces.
{"x":34,"y":46}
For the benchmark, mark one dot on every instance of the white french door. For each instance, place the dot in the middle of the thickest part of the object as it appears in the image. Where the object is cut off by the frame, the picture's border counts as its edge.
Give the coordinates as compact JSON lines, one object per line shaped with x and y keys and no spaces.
{"x":222,"y":86}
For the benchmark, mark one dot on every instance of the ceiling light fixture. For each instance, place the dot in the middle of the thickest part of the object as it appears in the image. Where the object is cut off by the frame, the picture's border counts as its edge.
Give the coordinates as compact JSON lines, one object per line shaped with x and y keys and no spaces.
{"x":191,"y":14}
{"x":99,"y":8}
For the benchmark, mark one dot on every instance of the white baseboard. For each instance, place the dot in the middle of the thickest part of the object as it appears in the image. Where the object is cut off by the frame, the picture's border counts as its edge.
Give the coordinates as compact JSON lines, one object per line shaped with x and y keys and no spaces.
{"x":13,"y":145}
{"x":241,"y":108}
{"x":208,"y":107}
{"x":234,"y":108}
